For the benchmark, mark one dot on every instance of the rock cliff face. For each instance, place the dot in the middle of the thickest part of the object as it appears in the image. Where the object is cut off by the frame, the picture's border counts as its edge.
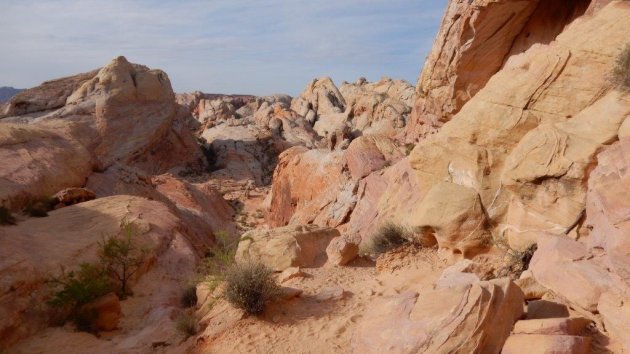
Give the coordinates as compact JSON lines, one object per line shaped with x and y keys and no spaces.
{"x":522,"y":142}
{"x":515,"y":117}
{"x":474,"y":42}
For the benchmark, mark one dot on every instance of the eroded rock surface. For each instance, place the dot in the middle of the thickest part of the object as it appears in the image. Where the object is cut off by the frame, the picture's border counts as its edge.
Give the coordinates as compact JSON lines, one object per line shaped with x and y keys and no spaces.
{"x":475,"y":319}
{"x":284,"y":247}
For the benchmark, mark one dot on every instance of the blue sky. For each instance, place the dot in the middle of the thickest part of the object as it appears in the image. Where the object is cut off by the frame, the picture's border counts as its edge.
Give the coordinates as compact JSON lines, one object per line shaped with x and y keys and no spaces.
{"x":220,"y":46}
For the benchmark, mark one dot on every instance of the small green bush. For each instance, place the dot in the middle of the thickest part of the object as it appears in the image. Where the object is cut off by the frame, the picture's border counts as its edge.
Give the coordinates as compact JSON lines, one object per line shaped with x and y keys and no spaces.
{"x":5,"y":217}
{"x":187,"y":324}
{"x":220,"y":257}
{"x":76,"y":288}
{"x":38,"y":208}
{"x":621,"y":71}
{"x":79,"y":287}
{"x":189,"y":297}
{"x":386,"y":238}
{"x":121,"y":256}
{"x":249,"y":286}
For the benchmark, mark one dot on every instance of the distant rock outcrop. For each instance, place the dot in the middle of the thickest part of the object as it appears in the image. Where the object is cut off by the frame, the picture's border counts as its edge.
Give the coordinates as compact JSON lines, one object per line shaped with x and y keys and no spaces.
{"x":122,"y":113}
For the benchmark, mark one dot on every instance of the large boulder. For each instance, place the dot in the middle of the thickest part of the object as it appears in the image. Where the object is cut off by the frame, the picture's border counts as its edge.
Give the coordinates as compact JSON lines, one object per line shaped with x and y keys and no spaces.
{"x":70,"y":196}
{"x":380,"y":107}
{"x":311,"y":186}
{"x":105,"y":312}
{"x":453,"y":216}
{"x":284,"y":247}
{"x":367,"y":154}
{"x":476,"y":318}
{"x":342,"y":250}
{"x":539,"y":343}
{"x":563,"y":266}
{"x":321,"y":97}
{"x":38,"y":162}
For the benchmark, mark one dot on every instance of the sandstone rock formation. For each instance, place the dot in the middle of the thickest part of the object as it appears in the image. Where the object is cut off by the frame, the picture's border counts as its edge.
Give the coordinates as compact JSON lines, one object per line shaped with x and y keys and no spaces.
{"x":473,"y":319}
{"x":320,"y":97}
{"x":35,"y":249}
{"x":517,"y":148}
{"x":341,"y":251}
{"x":362,"y":108}
{"x":284,"y":247}
{"x":380,"y":107}
{"x":474,"y":42}
{"x":70,"y":196}
{"x":311,"y":186}
{"x":38,"y":162}
{"x":85,"y":128}
{"x":516,"y":137}
{"x":452,"y":215}
{"x":107,"y":312}
{"x":367,"y":154}
{"x":113,"y":129}
{"x":49,"y":95}
{"x":478,"y":148}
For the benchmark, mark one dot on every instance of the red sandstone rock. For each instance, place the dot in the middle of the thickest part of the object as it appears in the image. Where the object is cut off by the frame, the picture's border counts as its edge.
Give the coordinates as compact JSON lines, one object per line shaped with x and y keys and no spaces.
{"x":106,"y":311}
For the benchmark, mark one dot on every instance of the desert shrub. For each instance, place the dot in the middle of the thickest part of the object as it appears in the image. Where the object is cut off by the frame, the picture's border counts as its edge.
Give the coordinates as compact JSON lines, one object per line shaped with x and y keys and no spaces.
{"x":249,"y":286}
{"x":219,"y":257}
{"x":79,"y":287}
{"x":5,"y":217}
{"x":38,"y":208}
{"x":209,"y":154}
{"x":386,"y":238}
{"x":73,"y":289}
{"x":121,"y":256}
{"x":187,"y":324}
{"x":518,"y":262}
{"x":189,"y":297}
{"x":621,"y":70}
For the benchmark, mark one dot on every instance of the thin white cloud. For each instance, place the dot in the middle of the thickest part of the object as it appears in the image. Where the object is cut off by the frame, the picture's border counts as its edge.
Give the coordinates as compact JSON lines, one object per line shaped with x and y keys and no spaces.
{"x":249,"y":46}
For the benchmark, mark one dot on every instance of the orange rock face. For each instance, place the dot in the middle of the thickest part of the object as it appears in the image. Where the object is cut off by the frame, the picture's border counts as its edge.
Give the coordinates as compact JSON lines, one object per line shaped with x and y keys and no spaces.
{"x":106,"y":311}
{"x":311,"y":187}
{"x":475,"y":40}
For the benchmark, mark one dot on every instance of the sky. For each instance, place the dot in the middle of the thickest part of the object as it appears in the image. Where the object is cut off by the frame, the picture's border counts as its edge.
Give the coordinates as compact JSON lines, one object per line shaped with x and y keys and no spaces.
{"x":256,"y":47}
